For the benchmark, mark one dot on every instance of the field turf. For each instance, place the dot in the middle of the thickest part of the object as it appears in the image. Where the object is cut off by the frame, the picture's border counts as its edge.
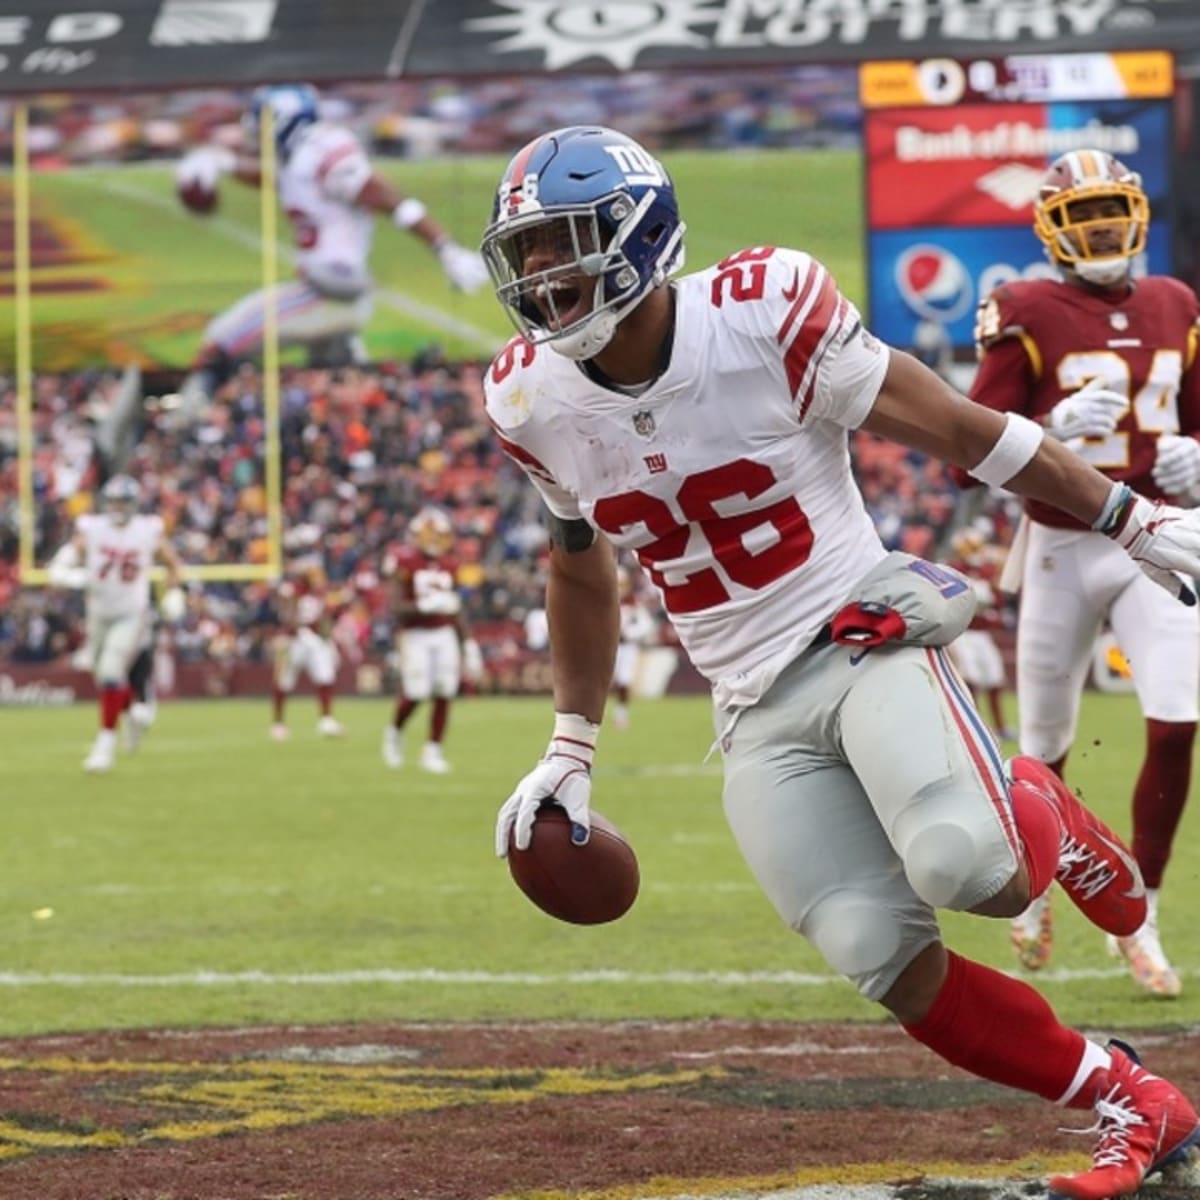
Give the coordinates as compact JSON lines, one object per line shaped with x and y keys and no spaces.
{"x":217,"y":877}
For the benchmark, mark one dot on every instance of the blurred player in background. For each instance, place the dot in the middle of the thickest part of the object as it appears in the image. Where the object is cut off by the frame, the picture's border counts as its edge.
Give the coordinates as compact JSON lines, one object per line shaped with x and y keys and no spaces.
{"x":637,"y":629}
{"x":111,"y":553}
{"x":974,"y":651}
{"x":1107,"y":363}
{"x":331,"y":195}
{"x":305,"y":645}
{"x":436,"y":650}
{"x":703,"y":424}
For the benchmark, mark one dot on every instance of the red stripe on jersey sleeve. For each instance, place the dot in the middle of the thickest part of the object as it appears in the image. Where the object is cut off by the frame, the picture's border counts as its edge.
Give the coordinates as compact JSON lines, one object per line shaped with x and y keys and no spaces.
{"x":816,"y":325}
{"x":526,"y":461}
{"x":334,"y":157}
{"x":803,"y":292}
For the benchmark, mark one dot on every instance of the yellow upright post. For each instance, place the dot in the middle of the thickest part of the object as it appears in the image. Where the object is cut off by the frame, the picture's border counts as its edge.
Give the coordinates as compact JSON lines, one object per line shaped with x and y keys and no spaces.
{"x":24,"y":340}
{"x":272,"y":452}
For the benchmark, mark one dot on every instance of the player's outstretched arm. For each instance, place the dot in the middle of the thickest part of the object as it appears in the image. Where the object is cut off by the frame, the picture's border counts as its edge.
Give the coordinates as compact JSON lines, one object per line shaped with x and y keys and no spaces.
{"x":917,"y":408}
{"x":464,"y":268}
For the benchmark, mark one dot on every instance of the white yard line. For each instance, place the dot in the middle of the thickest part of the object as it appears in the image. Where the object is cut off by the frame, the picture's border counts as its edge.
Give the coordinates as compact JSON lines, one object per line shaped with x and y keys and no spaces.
{"x":398,"y":301}
{"x":400,"y":977}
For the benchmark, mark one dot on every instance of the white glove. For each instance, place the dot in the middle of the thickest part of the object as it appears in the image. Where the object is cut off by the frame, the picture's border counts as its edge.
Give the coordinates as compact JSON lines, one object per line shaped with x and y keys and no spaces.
{"x":1093,"y":411}
{"x":65,"y":570}
{"x":173,"y":604}
{"x":1177,"y":464}
{"x":204,"y":166}
{"x":464,"y":268}
{"x":563,"y":777}
{"x":472,"y":661}
{"x":1162,"y":540}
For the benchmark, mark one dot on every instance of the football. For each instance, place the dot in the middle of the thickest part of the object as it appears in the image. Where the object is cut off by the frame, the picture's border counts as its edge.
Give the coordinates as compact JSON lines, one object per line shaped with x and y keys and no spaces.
{"x":197,"y":196}
{"x":584,"y":885}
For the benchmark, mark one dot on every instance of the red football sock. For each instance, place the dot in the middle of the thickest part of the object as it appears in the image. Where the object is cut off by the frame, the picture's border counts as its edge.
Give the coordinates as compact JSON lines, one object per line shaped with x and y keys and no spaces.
{"x":325,"y":698}
{"x":112,"y":705}
{"x":437,"y":722}
{"x":404,"y":710}
{"x":1160,"y":795}
{"x":1001,"y":1029}
{"x":1041,"y":835}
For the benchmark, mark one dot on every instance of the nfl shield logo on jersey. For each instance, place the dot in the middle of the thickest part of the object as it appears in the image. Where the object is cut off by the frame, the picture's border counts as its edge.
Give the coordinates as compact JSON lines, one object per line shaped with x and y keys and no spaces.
{"x":1119,"y":320}
{"x":643,"y":423}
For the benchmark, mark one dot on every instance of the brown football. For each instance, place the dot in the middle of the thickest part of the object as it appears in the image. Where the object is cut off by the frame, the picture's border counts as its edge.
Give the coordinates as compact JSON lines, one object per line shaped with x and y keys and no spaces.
{"x":585,"y":885}
{"x":197,"y":197}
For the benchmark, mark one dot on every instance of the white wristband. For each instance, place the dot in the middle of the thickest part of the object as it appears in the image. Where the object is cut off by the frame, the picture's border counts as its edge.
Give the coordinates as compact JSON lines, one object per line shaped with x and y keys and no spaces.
{"x":1012,"y":453}
{"x":408,"y":212}
{"x":574,"y":736}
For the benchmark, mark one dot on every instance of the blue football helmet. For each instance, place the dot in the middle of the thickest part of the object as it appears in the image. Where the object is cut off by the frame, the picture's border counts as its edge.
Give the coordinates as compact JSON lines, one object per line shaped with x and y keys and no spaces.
{"x":294,"y":107}
{"x":584,"y":224}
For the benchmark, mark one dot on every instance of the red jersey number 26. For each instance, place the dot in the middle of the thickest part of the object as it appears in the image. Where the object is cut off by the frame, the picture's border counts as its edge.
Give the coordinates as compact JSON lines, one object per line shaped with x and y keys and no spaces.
{"x":696,"y":498}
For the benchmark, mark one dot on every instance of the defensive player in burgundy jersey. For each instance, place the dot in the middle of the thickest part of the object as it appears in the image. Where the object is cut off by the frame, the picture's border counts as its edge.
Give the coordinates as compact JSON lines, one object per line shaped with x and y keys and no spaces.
{"x":436,"y":650}
{"x":112,"y":552}
{"x":1107,"y":364}
{"x":331,"y":196}
{"x":305,"y":645}
{"x":702,"y":424}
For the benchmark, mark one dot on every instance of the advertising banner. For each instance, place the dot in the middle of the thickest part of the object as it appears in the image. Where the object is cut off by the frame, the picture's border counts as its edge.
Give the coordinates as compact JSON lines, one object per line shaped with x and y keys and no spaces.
{"x":955,"y":153}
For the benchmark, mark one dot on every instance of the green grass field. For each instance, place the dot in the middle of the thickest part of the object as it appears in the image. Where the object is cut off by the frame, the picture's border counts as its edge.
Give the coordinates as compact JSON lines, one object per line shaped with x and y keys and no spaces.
{"x":156,"y":273}
{"x":217,"y":877}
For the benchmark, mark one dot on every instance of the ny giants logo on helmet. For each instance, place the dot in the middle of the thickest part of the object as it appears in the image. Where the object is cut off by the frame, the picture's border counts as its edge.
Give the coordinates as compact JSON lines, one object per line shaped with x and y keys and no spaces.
{"x":934,"y":283}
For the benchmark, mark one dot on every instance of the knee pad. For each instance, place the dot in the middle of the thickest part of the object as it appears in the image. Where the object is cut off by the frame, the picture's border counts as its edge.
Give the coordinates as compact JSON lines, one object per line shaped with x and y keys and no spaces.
{"x":868,"y":944}
{"x":943,"y":867}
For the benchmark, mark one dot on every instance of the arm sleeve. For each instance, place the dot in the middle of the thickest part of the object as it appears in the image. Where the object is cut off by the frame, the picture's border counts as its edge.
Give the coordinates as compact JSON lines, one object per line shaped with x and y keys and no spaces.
{"x":1189,"y":386}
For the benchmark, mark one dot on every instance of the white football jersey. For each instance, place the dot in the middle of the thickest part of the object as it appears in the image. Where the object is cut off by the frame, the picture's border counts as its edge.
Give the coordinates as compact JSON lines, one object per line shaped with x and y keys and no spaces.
{"x":318,"y":185}
{"x":117,"y":559}
{"x":730,"y":476}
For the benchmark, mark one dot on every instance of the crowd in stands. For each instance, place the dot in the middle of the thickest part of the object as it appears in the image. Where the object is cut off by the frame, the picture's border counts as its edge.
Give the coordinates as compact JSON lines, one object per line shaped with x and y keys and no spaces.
{"x":802,"y":106}
{"x":362,"y":450}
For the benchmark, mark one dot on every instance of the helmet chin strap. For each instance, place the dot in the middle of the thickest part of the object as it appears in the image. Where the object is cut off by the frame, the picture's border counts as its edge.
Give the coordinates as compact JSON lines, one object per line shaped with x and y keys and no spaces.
{"x":1103,"y":271}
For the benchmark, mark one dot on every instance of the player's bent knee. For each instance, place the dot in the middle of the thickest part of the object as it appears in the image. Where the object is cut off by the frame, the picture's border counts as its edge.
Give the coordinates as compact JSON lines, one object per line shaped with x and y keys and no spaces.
{"x":942,"y":862}
{"x":856,"y":940}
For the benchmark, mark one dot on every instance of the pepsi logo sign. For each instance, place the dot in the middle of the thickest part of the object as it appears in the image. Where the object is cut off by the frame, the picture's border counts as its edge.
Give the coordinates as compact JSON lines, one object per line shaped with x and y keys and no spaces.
{"x":934,"y":283}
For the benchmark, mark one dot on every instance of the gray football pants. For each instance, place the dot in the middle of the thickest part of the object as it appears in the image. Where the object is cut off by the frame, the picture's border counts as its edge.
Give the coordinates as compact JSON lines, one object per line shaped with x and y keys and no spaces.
{"x":865,"y":792}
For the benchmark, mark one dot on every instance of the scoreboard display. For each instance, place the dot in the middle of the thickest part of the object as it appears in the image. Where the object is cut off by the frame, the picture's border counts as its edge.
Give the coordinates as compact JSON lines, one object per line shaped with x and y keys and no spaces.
{"x":955,"y":151}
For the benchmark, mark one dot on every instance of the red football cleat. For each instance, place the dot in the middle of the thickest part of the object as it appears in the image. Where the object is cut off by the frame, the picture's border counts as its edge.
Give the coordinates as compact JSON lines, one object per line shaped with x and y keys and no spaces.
{"x":1143,"y":1124}
{"x":1095,"y":868}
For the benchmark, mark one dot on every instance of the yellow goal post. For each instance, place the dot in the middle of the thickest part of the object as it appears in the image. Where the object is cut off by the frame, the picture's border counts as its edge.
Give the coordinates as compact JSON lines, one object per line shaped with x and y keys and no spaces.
{"x":32,"y":575}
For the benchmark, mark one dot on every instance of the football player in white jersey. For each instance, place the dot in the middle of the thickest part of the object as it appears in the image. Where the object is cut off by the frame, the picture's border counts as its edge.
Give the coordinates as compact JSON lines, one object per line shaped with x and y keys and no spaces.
{"x":703,"y":425}
{"x":331,"y":195}
{"x":112,"y":552}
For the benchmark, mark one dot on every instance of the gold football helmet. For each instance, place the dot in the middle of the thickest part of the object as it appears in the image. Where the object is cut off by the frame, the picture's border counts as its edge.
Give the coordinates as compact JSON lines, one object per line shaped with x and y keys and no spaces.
{"x":1092,"y":215}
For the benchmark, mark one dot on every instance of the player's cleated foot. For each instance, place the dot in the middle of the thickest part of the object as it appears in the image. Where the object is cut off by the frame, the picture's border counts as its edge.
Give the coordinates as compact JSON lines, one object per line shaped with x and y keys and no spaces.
{"x":330,"y":727}
{"x":1143,"y":1124}
{"x":103,"y":753}
{"x":137,"y":721}
{"x":393,"y":748}
{"x":279,"y":732}
{"x":1032,"y":934}
{"x":1147,"y":960}
{"x":1095,"y":868}
{"x":432,"y":759}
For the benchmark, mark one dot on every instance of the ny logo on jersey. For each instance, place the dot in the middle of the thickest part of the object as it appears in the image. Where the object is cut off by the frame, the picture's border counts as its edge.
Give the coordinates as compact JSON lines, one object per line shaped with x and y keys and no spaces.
{"x":636,"y":165}
{"x":656,"y":464}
